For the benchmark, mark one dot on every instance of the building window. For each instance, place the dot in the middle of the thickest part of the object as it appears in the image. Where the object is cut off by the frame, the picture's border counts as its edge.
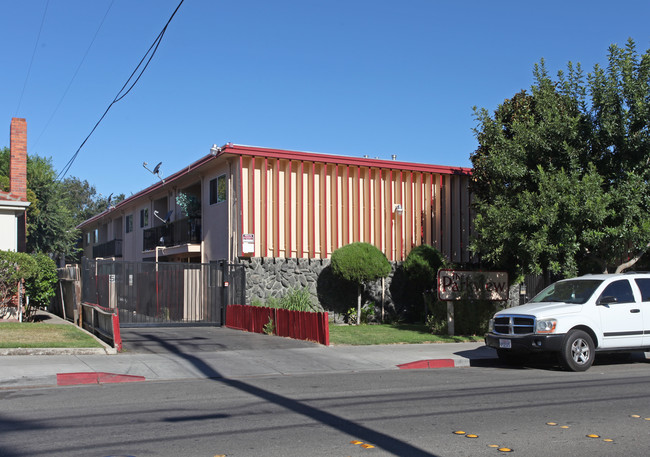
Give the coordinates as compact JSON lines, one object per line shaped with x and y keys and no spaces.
{"x":218,"y":190}
{"x":88,"y":239}
{"x":144,"y":217}
{"x":96,"y":236}
{"x":129,"y":223}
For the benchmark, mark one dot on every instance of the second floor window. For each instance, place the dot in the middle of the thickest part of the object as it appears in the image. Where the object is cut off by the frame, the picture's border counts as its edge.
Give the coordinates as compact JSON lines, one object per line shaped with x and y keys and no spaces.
{"x":218,"y":189}
{"x":129,"y":223}
{"x":144,"y":217}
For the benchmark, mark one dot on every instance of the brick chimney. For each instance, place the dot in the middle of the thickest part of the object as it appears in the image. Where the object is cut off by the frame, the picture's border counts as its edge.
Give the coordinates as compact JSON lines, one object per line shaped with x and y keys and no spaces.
{"x":18,"y":161}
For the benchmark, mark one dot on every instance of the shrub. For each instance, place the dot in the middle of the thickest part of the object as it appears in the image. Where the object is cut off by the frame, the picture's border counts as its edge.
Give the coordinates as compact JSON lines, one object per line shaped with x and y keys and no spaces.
{"x":360,"y":263}
{"x":297,"y":300}
{"x":40,"y":287}
{"x":421,"y":268}
{"x":14,"y":267}
{"x":471,"y":317}
{"x":39,"y":273}
{"x":292,"y":300}
{"x":422,"y":265}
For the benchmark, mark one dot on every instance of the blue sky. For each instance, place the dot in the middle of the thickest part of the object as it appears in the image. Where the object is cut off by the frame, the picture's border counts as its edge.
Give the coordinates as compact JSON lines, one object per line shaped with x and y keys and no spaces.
{"x":346,"y":77}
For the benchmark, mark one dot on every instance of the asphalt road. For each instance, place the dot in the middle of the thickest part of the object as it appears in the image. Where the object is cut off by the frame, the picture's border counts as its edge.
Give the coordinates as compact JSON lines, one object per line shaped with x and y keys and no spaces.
{"x":402,"y":413}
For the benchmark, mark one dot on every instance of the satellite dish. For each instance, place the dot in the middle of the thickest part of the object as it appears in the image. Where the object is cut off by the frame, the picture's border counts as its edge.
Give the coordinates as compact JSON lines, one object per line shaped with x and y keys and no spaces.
{"x":157,"y":169}
{"x":168,"y":216}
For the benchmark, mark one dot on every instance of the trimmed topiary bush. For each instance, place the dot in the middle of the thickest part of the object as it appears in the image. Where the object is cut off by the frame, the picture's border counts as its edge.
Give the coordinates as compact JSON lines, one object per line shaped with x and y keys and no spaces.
{"x":360,"y":263}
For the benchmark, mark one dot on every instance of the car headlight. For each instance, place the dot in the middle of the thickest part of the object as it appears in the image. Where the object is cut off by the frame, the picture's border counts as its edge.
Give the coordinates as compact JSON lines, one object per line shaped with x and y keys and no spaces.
{"x":491,"y":326}
{"x":546,"y":326}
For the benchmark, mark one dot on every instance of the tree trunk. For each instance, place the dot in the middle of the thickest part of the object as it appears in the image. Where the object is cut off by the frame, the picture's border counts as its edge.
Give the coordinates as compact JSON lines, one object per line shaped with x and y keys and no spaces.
{"x":359,"y":288}
{"x":632,"y":261}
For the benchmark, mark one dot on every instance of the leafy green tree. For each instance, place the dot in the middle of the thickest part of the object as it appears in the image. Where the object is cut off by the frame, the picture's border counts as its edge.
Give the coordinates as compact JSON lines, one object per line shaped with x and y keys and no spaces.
{"x":84,"y":200}
{"x":51,"y":225}
{"x":561,"y":181}
{"x":360,"y":263}
{"x":37,"y":270}
{"x":56,"y":207}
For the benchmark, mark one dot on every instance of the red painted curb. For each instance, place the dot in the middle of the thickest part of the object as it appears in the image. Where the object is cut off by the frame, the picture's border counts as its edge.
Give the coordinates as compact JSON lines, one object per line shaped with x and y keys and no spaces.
{"x":73,"y":379}
{"x":432,"y":363}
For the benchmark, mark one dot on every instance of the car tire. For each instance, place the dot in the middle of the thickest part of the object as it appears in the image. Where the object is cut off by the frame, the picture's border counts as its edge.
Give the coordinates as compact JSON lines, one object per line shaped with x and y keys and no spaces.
{"x":578,"y":351}
{"x":512,"y":358}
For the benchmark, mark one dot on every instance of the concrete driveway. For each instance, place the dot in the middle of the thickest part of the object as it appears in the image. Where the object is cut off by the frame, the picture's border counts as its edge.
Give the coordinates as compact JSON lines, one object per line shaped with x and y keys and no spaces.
{"x":187,"y":340}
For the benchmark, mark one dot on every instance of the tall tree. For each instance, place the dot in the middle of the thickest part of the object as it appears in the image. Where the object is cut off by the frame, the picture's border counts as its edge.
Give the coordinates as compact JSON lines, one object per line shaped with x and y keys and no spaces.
{"x":84,"y":200}
{"x":51,"y":226}
{"x":56,"y":208}
{"x":560,"y":175}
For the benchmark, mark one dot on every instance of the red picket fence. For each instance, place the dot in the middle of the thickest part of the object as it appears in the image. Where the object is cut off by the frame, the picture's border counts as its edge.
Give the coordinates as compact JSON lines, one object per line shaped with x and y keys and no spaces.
{"x":293,"y":324}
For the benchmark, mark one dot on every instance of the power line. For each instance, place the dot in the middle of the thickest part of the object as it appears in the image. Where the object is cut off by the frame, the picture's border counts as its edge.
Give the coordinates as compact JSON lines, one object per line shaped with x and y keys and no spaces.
{"x":29,"y":69}
{"x":124,"y":90}
{"x":83,"y":59}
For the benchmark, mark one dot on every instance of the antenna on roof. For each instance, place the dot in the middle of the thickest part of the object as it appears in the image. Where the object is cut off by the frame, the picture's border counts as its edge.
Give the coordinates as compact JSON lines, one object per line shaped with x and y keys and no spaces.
{"x":167,"y":217}
{"x":155,"y":171}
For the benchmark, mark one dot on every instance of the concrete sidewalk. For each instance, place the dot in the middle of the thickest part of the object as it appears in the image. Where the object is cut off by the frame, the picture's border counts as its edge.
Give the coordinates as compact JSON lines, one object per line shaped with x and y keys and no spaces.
{"x":42,"y":370}
{"x":216,"y":352}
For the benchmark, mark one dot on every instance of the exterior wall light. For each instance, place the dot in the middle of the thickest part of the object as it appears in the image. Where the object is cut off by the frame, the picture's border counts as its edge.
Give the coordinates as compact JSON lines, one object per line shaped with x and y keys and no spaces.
{"x":398,"y":209}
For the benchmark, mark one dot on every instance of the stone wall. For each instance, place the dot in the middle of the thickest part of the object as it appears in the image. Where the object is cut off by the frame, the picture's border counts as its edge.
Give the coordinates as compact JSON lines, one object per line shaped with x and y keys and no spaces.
{"x":268,"y":277}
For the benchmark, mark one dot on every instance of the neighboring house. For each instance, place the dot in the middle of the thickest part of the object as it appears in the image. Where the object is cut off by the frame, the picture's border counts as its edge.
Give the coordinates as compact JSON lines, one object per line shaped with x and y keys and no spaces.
{"x":259,"y":202}
{"x":14,"y":202}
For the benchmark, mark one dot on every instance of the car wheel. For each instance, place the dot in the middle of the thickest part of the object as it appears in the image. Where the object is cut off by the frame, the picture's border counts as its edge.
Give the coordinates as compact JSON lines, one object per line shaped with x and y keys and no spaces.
{"x":577,"y":351}
{"x":511,"y":358}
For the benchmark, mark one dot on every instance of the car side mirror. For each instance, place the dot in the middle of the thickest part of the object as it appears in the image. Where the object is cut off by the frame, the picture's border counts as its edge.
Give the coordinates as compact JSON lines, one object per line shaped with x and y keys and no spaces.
{"x":606,"y":300}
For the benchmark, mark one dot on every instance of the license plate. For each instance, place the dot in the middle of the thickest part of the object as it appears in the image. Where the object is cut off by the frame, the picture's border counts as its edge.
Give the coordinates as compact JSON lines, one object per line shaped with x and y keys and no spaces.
{"x":505,"y":344}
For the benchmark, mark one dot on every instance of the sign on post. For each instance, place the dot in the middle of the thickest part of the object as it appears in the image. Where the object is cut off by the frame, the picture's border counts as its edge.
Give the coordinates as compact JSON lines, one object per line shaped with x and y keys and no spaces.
{"x":455,"y":285}
{"x":472,"y":285}
{"x":248,"y":243}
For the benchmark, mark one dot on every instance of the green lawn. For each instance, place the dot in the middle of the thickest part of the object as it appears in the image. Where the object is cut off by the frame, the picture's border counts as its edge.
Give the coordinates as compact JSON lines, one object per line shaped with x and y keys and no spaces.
{"x":390,"y":334}
{"x":38,"y":335}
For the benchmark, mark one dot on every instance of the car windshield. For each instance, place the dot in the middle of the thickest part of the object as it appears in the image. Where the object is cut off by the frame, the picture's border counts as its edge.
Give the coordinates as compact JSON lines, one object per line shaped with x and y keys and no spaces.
{"x":569,"y":291}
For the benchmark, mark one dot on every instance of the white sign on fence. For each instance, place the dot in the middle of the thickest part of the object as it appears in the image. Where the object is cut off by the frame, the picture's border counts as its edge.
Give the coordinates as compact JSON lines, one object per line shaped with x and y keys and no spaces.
{"x":473,"y":285}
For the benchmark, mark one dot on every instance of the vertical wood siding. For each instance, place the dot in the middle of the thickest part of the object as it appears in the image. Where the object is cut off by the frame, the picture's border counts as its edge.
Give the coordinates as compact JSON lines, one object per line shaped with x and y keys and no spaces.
{"x":309,"y":209}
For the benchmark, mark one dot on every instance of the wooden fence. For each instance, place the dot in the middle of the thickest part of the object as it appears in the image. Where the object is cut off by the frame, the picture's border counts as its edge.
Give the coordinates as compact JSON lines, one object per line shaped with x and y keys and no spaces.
{"x":293,"y":324}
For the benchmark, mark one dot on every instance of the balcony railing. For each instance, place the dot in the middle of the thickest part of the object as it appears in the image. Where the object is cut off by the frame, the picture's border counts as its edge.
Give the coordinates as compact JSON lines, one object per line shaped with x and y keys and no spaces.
{"x":182,"y":231}
{"x":112,"y":248}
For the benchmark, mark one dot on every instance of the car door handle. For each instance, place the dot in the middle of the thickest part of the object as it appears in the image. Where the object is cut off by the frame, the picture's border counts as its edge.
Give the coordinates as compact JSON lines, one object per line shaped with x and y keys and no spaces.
{"x":635,"y":311}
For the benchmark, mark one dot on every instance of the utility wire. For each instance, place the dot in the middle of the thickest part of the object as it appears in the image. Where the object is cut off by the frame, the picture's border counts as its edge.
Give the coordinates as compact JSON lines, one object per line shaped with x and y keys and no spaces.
{"x":29,"y":69}
{"x":83,"y":59}
{"x":124,"y":90}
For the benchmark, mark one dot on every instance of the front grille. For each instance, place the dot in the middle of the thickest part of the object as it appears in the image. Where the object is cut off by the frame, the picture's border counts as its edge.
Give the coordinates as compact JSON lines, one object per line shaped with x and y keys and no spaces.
{"x":514,"y":325}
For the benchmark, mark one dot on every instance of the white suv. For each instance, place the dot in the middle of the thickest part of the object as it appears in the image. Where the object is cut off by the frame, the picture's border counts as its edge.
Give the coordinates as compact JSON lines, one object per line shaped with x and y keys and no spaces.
{"x":576,"y":318}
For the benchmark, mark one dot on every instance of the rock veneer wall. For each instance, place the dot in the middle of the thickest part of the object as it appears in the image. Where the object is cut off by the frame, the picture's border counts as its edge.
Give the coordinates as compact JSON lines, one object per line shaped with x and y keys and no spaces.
{"x":269,"y":277}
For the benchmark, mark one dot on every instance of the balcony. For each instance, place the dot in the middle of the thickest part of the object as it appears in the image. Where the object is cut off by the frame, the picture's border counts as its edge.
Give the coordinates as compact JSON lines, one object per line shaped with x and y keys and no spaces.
{"x":182,"y":231}
{"x":110,"y":249}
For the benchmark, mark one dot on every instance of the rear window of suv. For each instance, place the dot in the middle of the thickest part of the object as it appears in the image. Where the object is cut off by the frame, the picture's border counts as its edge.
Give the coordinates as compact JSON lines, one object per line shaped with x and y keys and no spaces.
{"x":644,"y":286}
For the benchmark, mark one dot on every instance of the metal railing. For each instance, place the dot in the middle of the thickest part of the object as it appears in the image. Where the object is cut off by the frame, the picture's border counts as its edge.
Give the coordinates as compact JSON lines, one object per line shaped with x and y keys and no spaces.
{"x":146,"y":293}
{"x":111,"y":248}
{"x":101,"y":322}
{"x":182,"y":231}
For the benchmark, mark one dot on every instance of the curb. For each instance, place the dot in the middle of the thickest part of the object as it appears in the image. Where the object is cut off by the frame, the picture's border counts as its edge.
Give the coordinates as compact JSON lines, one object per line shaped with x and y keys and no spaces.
{"x":434,"y":363}
{"x":59,"y":351}
{"x":73,"y":379}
